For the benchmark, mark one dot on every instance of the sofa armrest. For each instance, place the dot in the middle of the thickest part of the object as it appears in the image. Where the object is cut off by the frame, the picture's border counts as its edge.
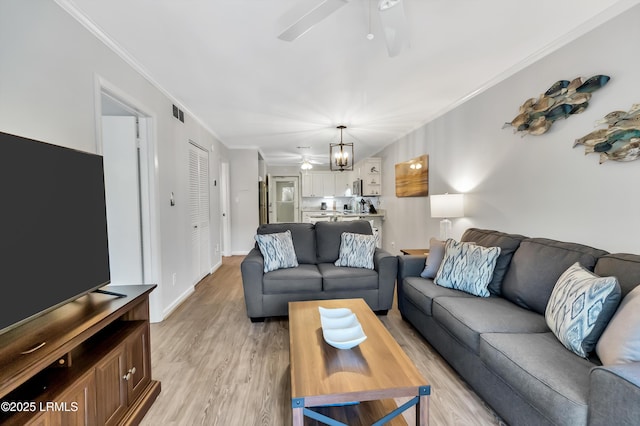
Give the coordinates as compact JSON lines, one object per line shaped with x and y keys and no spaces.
{"x":386,"y":265}
{"x":408,"y":266}
{"x":614,"y":394}
{"x":252,"y":269}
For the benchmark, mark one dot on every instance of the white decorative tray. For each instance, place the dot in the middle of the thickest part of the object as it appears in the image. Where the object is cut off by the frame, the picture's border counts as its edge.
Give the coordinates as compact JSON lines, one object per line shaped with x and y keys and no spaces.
{"x":341,"y":328}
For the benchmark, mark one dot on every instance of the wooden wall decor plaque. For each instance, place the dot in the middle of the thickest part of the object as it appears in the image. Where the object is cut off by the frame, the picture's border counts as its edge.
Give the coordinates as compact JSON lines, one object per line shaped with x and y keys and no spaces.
{"x":412,"y":177}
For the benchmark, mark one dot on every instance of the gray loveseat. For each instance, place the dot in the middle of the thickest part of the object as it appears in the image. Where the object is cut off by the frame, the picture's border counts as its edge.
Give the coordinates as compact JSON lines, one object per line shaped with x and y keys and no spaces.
{"x":317,"y":247}
{"x":502,"y":346}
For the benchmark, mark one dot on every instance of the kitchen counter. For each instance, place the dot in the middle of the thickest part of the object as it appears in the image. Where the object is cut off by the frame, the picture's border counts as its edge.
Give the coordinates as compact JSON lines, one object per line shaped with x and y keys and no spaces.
{"x":341,"y":214}
{"x":313,"y":216}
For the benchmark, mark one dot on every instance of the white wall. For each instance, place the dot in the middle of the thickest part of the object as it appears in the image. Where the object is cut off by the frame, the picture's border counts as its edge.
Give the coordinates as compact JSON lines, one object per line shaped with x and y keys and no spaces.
{"x":536,"y":185}
{"x":284,"y":170}
{"x":244,"y":199}
{"x":49,"y":65}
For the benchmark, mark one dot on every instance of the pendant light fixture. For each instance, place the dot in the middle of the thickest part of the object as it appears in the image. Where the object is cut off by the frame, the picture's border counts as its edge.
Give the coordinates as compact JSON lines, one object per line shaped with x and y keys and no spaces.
{"x":341,"y":154}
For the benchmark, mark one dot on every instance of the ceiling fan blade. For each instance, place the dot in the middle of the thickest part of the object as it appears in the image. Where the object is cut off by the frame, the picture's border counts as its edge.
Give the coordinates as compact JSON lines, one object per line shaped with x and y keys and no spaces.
{"x":311,"y":18}
{"x":394,"y":25}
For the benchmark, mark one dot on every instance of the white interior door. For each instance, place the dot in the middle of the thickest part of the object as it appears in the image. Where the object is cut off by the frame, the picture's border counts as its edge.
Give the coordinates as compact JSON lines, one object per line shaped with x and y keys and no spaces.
{"x":283,"y":199}
{"x":122,"y":194}
{"x":225,"y":203}
{"x":199,"y":211}
{"x":205,"y":229}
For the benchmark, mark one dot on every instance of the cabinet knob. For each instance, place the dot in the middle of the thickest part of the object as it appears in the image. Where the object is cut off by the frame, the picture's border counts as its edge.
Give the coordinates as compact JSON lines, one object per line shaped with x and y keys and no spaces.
{"x":130,"y":373}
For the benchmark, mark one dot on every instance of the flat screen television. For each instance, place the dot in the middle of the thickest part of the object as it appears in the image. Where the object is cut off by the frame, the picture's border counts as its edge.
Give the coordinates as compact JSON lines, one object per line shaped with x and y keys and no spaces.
{"x":53,"y":228}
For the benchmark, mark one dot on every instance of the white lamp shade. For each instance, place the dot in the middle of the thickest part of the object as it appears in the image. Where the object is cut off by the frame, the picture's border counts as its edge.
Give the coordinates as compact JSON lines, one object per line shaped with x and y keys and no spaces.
{"x":447,"y":205}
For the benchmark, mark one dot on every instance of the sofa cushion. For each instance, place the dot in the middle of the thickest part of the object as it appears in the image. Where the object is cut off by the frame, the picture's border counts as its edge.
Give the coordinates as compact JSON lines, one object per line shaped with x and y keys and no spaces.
{"x":304,"y":278}
{"x":302,"y":234}
{"x":624,"y":266}
{"x":580,"y":307}
{"x":536,"y":267}
{"x":466,"y":318}
{"x":340,"y":278}
{"x":467,"y":267}
{"x":508,"y":244}
{"x":329,"y":235}
{"x":421,"y":292}
{"x":277,"y":250}
{"x":434,"y":258}
{"x":620,"y":341}
{"x":536,"y":365}
{"x":356,"y":250}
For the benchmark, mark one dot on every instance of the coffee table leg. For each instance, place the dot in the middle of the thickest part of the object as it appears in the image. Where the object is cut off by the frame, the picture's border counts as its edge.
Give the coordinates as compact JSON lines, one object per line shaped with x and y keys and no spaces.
{"x":422,"y":407}
{"x":298,"y":417}
{"x":297,"y":410}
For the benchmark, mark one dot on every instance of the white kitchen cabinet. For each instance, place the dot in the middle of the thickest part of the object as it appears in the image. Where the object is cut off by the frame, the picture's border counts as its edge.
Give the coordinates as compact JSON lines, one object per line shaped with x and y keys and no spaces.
{"x":318,"y":184}
{"x":307,"y":185}
{"x":343,"y":181}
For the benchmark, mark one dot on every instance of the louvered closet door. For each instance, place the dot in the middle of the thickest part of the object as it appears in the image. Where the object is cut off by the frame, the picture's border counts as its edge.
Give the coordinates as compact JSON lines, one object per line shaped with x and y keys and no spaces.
{"x":205,"y":257}
{"x":199,"y":211}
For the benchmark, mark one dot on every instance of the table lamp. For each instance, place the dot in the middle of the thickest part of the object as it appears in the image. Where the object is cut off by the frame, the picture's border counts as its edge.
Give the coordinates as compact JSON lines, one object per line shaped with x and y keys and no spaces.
{"x":447,"y":206}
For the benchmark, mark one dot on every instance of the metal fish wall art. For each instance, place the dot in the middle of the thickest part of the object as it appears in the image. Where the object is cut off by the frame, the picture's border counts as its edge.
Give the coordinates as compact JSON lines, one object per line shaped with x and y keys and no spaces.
{"x":563,"y":99}
{"x":620,"y":141}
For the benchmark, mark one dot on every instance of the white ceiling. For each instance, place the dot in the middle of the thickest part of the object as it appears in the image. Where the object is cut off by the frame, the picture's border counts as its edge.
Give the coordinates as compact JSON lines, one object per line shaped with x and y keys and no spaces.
{"x":223,"y":63}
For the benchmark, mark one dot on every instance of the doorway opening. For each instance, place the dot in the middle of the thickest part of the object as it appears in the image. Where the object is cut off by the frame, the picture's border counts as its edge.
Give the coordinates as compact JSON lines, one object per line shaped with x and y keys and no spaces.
{"x":124,"y":139}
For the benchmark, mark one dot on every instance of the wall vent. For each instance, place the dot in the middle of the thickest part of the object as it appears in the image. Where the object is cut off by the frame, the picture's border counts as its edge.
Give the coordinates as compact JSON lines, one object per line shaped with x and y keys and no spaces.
{"x":178,"y":113}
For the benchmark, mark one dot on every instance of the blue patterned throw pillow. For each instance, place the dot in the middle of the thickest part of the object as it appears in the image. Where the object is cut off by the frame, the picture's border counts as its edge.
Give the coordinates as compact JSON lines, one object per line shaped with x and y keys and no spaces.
{"x":580,"y":306}
{"x":467,"y":267}
{"x":356,"y":250}
{"x":277,"y":250}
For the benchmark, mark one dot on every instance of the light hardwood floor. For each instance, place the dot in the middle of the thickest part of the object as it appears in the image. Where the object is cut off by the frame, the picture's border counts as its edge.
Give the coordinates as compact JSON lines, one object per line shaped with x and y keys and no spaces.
{"x":218,"y":368}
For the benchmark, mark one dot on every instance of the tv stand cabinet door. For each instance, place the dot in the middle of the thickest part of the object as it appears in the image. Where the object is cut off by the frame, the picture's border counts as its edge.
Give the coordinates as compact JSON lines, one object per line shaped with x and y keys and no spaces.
{"x":84,"y":394}
{"x":111,"y":387}
{"x":138,"y":363}
{"x":42,"y":419}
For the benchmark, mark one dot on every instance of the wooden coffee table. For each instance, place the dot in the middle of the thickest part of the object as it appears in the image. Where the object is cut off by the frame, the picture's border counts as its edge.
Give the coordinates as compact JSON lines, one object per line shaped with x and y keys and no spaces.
{"x":375,"y":371}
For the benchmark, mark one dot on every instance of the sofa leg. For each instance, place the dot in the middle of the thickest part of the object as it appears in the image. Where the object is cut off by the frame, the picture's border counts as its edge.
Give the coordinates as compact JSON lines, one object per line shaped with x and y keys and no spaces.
{"x":382,"y":312}
{"x":256,"y":319}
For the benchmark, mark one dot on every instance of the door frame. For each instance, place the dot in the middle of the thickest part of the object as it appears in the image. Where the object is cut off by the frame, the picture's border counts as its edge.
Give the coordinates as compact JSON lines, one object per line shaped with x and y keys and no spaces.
{"x":149,"y":178}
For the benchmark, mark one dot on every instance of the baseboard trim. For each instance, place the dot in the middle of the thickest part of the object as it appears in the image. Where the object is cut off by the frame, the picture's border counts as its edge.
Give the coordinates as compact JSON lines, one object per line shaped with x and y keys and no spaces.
{"x":169,"y":309}
{"x":215,"y":267}
{"x":240,"y":253}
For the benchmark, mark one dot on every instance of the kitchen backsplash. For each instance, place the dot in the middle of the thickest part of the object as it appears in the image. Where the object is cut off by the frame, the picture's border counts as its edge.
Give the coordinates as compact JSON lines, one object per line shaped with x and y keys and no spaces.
{"x":315,"y":204}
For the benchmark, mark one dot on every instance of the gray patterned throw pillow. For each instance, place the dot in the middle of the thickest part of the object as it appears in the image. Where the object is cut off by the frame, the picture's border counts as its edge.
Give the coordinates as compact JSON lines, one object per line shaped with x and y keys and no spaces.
{"x":580,"y":307}
{"x":467,"y":267}
{"x":277,"y":250}
{"x":356,"y":250}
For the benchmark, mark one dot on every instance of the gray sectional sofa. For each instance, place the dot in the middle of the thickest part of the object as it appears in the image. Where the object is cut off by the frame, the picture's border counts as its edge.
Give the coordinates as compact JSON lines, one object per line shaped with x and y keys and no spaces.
{"x":502,"y":346}
{"x":317,"y":247}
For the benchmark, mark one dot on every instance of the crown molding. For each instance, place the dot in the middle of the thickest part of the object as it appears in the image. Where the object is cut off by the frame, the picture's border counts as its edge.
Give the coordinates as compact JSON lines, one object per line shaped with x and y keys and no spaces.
{"x":590,"y":25}
{"x":72,"y":9}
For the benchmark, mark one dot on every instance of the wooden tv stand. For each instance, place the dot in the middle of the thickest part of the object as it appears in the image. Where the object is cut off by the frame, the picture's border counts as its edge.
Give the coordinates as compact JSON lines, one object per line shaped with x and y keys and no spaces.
{"x":87,"y":362}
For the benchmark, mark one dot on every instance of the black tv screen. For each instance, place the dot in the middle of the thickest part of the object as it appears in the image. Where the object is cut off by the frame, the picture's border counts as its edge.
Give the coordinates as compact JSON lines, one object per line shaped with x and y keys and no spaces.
{"x":53,"y":227}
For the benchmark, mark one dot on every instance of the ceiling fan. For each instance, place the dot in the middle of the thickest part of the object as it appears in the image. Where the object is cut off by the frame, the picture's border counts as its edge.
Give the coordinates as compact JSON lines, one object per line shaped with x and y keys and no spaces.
{"x":392,"y":17}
